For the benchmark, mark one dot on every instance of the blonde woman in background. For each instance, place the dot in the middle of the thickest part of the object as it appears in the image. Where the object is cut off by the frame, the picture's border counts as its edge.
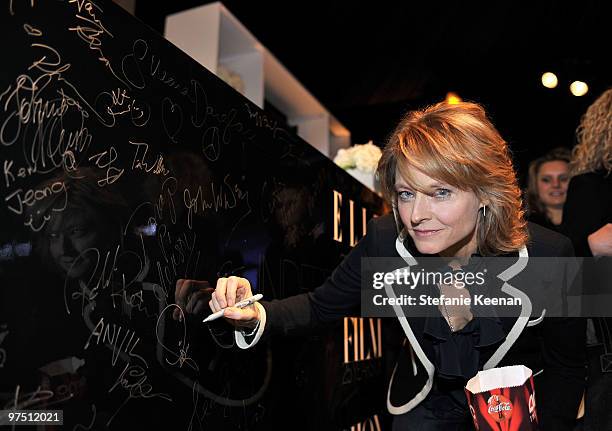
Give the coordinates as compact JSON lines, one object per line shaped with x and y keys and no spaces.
{"x":587,"y":220}
{"x":588,"y":208}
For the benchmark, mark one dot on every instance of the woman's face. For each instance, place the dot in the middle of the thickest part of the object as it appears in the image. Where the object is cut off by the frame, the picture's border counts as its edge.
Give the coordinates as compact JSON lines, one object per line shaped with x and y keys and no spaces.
{"x":442,"y":220}
{"x":552,"y":183}
{"x":70,"y":235}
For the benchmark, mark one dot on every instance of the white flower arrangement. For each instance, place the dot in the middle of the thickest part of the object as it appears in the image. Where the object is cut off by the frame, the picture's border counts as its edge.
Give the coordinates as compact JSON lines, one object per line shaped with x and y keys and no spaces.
{"x":361,"y":157}
{"x":361,"y":162}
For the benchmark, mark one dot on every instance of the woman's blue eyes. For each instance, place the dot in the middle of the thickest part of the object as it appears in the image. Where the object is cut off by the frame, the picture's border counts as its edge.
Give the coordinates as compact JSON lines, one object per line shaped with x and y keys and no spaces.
{"x":442,"y":193}
{"x":406,"y":196}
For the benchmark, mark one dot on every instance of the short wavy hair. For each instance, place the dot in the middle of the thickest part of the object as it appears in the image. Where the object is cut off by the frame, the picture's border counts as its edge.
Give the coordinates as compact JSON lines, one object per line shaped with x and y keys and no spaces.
{"x":594,"y":134}
{"x":458,"y":144}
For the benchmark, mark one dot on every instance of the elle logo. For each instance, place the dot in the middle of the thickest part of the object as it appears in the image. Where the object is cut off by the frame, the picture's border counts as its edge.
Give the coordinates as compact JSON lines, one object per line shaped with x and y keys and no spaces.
{"x":353,"y":223}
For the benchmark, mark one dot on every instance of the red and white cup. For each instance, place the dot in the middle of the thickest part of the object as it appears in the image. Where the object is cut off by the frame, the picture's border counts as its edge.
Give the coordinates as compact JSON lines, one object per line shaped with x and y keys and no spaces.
{"x":503,"y":399}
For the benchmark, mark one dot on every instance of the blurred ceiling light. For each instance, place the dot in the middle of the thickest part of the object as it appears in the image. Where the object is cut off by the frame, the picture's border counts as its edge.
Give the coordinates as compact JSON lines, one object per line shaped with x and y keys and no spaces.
{"x":579,"y":88}
{"x":452,"y":98}
{"x":549,"y":80}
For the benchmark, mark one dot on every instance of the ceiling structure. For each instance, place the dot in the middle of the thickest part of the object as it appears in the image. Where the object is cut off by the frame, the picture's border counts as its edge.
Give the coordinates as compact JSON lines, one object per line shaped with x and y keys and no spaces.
{"x":369,"y":62}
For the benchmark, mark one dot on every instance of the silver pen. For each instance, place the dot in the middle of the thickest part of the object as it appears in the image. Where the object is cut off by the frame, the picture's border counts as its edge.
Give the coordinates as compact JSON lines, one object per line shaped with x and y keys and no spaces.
{"x":241,"y":304}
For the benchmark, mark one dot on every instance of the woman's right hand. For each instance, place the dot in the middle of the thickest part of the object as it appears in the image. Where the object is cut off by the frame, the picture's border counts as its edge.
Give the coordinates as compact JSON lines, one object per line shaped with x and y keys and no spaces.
{"x":228,"y":292}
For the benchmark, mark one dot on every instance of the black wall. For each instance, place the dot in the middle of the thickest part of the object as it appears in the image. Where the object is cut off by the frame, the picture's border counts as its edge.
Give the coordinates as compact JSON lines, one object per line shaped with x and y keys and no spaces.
{"x":127,"y":166}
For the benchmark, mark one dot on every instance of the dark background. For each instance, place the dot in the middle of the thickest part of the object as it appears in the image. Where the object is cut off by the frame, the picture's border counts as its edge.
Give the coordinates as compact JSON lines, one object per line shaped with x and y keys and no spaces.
{"x":368,"y":62}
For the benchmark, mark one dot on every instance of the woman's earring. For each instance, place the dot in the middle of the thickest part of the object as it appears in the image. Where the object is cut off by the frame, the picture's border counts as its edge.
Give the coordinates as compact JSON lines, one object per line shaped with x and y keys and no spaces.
{"x":484,"y":211}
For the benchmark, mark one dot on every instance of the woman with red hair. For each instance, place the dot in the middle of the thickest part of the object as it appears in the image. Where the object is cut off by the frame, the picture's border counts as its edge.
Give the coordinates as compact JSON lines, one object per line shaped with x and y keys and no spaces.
{"x":449,"y":178}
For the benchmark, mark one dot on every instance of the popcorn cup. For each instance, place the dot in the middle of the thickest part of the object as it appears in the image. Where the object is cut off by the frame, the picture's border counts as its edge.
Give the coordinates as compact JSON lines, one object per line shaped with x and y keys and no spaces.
{"x":503,"y":399}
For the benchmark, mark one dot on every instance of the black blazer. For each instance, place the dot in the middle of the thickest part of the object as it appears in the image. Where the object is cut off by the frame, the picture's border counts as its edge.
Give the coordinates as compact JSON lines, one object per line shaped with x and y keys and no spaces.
{"x":554,"y":345}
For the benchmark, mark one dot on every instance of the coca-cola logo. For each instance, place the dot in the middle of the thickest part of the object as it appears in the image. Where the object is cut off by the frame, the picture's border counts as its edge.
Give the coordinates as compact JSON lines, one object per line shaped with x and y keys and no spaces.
{"x":499,"y":407}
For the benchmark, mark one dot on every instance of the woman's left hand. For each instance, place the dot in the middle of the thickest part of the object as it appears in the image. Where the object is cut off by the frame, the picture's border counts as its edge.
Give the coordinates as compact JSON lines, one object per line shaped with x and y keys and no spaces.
{"x":600,"y":241}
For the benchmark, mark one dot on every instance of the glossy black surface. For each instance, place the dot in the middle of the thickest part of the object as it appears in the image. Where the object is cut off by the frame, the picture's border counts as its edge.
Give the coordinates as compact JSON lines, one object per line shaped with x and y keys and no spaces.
{"x":127,"y":166}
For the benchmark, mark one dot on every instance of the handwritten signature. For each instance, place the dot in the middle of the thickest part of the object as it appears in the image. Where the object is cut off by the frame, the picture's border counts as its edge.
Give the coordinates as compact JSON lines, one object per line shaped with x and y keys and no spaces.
{"x":223,"y":197}
{"x":135,"y":381}
{"x":91,"y":30}
{"x":117,"y":103}
{"x":110,"y":335}
{"x":140,"y":162}
{"x":180,"y":353}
